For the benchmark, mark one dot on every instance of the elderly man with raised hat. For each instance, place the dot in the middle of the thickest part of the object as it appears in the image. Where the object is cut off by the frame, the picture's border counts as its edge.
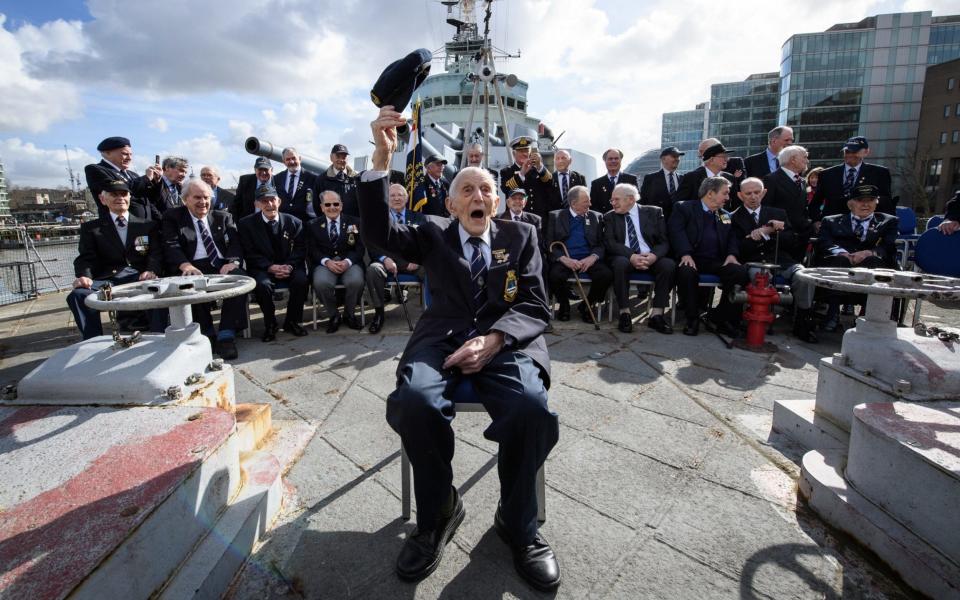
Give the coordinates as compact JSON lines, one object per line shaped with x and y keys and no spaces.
{"x":484,"y":327}
{"x":198,"y":240}
{"x":275,"y":252}
{"x":247,"y":187}
{"x":341,"y":179}
{"x":117,"y":157}
{"x":119,"y":247}
{"x":837,"y":183}
{"x":861,"y":237}
{"x":601,"y":188}
{"x":658,"y":187}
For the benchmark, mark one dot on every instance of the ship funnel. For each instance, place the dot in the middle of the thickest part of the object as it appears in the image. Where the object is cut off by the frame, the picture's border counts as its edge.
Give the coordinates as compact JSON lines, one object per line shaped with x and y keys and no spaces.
{"x":259,"y":147}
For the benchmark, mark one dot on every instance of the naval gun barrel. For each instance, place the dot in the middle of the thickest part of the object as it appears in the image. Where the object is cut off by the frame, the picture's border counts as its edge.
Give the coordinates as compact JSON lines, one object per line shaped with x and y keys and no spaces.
{"x":259,"y":147}
{"x":493,"y":139}
{"x":452,"y":140}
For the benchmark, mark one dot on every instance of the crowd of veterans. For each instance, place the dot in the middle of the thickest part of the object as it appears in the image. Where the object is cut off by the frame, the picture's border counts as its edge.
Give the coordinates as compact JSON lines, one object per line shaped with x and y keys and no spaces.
{"x":295,"y":229}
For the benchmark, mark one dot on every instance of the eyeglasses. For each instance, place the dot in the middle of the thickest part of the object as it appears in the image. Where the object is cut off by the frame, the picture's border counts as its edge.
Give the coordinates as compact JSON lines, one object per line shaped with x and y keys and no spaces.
{"x":330,"y":204}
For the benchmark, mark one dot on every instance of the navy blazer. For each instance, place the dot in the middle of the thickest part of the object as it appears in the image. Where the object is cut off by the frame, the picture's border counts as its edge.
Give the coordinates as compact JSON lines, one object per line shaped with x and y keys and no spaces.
{"x":453,"y":310}
{"x":601,"y":190}
{"x":689,"y":188}
{"x":554,"y":199}
{"x":653,"y":228}
{"x":836,"y":232}
{"x":141,"y":188}
{"x":259,"y":252}
{"x":654,"y":191}
{"x":349,"y":245}
{"x":685,"y":229}
{"x":832,"y":198}
{"x":180,"y":236}
{"x":951,"y":211}
{"x":756,"y":165}
{"x":785,"y":194}
{"x":558,"y":229}
{"x":101,"y":253}
{"x":411,"y":219}
{"x":764,"y":250}
{"x":296,"y":205}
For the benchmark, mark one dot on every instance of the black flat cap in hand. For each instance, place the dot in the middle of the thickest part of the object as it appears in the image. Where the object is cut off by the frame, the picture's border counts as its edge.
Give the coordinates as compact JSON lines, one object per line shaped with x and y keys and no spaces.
{"x":112,"y":143}
{"x":398,"y":81}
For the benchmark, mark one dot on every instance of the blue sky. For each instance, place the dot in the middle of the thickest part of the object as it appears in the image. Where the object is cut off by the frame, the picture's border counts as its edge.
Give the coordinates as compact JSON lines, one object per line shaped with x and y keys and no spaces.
{"x":195,"y":77}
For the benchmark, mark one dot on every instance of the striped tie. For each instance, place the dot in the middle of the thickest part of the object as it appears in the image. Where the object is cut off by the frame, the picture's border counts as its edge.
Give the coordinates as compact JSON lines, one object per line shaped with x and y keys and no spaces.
{"x":478,"y":275}
{"x":632,"y":235}
{"x":208,"y":245}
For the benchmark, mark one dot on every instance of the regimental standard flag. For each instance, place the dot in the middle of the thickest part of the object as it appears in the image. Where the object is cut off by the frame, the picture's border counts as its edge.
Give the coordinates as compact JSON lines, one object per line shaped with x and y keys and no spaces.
{"x":416,"y":191}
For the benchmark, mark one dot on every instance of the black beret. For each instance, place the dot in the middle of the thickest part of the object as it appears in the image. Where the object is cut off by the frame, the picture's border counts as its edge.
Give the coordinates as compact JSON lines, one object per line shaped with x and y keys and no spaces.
{"x":116,"y":185}
{"x":112,"y":143}
{"x":398,"y":81}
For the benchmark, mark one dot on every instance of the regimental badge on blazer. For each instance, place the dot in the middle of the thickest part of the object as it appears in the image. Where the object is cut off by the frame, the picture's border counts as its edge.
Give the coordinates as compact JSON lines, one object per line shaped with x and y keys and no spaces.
{"x":510,"y":287}
{"x":309,"y":196}
{"x":352,"y":232}
{"x":142,"y":244}
{"x":288,"y":240}
{"x":724,"y":218}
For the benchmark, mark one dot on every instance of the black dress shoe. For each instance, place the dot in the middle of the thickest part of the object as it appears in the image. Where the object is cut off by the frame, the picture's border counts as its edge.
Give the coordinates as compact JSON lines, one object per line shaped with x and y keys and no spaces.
{"x":270,"y":333}
{"x":227,"y":349}
{"x":352,"y":322}
{"x":535,"y":562}
{"x":725,"y":328}
{"x":584,"y":313}
{"x":625,"y":324}
{"x":692,"y":327}
{"x":377,"y":323}
{"x":563,"y":313}
{"x":422,"y":551}
{"x":334,"y":323}
{"x":295,"y":329}
{"x":659,"y":323}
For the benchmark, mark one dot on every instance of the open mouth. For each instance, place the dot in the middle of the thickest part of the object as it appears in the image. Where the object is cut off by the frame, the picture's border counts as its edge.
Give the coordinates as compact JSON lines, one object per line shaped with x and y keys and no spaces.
{"x":476,"y":214}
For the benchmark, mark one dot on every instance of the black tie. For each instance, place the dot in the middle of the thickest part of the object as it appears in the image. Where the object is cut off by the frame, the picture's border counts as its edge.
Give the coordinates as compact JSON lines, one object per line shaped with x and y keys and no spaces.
{"x":613,"y":180}
{"x":478,"y":271}
{"x":275,"y":237}
{"x":334,"y":236}
{"x":776,"y":161}
{"x":121,"y":222}
{"x":632,"y":235}
{"x":848,"y":183}
{"x":861,"y":227}
{"x":671,"y":187}
{"x":290,"y":178}
{"x":563,"y":185}
{"x":756,"y":218}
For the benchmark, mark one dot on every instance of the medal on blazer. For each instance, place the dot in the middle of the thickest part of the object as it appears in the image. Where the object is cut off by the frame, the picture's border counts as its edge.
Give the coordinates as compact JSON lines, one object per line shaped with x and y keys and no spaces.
{"x":351,"y":235}
{"x":501,"y":256}
{"x":510,"y":287}
{"x":309,"y":196}
{"x":141,"y":244}
{"x":725,"y":218}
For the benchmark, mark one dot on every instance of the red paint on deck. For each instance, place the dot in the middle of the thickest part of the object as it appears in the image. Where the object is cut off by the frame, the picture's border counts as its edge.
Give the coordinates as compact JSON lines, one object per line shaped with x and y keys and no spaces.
{"x":51,"y":542}
{"x":22,"y":416}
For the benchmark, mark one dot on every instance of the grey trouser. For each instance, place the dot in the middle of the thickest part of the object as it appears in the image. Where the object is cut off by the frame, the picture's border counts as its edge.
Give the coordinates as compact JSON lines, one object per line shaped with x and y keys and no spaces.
{"x":325,"y":282}
{"x":377,"y":281}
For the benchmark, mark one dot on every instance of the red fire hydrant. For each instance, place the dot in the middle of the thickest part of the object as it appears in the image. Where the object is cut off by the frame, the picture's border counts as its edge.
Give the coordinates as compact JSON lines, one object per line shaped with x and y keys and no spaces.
{"x":761,"y":296}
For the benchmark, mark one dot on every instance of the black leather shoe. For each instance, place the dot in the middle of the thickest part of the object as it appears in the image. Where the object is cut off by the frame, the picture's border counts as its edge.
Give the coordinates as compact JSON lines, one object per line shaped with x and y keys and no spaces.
{"x":659,"y":323}
{"x":625,"y":324}
{"x":352,"y":322}
{"x":535,"y":562}
{"x":377,"y":323}
{"x":563,"y":313}
{"x":227,"y":349}
{"x":422,"y":551}
{"x":294,"y":329}
{"x":270,"y":333}
{"x":334,"y":323}
{"x":725,"y":328}
{"x":692,"y":327}
{"x":584,"y":313}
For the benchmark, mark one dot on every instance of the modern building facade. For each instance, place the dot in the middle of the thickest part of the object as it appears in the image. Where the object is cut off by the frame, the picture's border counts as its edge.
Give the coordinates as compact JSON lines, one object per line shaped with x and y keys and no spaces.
{"x":648,"y":162}
{"x":863,"y":78}
{"x":4,"y":200}
{"x":743,"y":112}
{"x":936,"y":173}
{"x":685,"y":129}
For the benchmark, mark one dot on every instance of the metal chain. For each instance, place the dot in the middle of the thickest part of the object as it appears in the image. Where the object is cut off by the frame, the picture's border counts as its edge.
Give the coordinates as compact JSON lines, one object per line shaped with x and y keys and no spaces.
{"x":941,"y":334}
{"x":106,"y":293}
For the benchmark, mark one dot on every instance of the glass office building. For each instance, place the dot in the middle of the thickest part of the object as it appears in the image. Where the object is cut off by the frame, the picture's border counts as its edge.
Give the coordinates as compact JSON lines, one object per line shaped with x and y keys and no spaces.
{"x":4,"y":200}
{"x":648,"y":162}
{"x":685,"y":129}
{"x":743,"y":112}
{"x":863,"y":78}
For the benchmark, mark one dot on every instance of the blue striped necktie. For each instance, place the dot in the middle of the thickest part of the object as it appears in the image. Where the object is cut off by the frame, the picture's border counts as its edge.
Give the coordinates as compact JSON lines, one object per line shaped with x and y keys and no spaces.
{"x":478,"y":275}
{"x":208,"y":244}
{"x":632,"y":235}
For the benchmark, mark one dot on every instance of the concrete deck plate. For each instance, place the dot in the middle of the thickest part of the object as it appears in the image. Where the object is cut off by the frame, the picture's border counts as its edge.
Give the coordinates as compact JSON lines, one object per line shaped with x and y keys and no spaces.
{"x":77,"y":481}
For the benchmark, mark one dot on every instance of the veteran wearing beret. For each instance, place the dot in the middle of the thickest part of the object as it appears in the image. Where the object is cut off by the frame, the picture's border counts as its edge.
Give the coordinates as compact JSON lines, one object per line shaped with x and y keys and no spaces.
{"x":119,"y":247}
{"x":117,"y":157}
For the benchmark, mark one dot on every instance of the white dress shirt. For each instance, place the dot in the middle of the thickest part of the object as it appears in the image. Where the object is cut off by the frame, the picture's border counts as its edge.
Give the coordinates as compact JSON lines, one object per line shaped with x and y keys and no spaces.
{"x":468,"y":247}
{"x":201,"y":251}
{"x":634,"y":215}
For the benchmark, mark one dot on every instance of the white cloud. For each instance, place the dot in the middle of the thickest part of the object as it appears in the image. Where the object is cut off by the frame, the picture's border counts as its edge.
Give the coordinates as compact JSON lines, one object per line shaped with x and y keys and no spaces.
{"x":27,"y":103}
{"x":160,"y":124}
{"x":26,"y":165}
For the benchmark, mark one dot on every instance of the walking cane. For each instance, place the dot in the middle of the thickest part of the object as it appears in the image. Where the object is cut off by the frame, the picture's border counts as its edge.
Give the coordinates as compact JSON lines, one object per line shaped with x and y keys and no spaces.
{"x":576,"y":277}
{"x":403,"y":301}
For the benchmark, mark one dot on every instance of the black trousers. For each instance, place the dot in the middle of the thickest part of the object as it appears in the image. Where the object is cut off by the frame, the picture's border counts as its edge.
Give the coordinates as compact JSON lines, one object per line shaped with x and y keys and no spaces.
{"x":233,"y":311}
{"x":688,"y":283}
{"x":267,"y":284}
{"x":663,"y":276}
{"x":421,"y":410}
{"x":600,"y":275}
{"x":842,"y":262}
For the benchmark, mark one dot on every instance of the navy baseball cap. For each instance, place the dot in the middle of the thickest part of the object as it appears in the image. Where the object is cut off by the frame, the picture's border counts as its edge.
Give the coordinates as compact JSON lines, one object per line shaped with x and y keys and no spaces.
{"x":400,"y":79}
{"x":856,"y":144}
{"x":339,"y":149}
{"x":264,"y":191}
{"x":672,"y":151}
{"x":262,"y":163}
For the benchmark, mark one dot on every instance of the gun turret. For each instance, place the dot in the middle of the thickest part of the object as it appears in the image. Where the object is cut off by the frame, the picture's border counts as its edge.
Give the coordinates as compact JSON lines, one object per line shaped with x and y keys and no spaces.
{"x":259,"y":147}
{"x":493,"y":139}
{"x":454,"y":142}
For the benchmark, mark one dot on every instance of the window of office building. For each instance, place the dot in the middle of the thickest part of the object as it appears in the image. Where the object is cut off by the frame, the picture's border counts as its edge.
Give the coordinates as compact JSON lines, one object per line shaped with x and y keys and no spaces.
{"x":933,"y":175}
{"x":955,"y":178}
{"x":943,"y":137}
{"x":946,"y":110}
{"x":955,"y":137}
{"x":951,"y":83}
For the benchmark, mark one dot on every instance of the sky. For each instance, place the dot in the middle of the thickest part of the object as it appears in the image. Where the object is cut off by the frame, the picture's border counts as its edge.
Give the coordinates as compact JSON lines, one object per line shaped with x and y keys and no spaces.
{"x":195,"y":78}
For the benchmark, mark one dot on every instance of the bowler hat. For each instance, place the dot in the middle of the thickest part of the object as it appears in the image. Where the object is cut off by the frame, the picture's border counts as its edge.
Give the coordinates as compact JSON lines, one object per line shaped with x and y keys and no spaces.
{"x":714,"y":150}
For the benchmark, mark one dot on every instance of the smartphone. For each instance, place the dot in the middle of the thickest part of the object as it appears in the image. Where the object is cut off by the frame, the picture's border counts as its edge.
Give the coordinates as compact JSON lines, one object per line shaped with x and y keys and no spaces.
{"x":156,"y":159}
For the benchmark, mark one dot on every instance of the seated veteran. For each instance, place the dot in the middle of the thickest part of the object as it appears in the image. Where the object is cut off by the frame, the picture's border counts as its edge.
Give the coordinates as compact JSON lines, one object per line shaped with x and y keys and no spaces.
{"x":201,"y":241}
{"x":702,"y":238}
{"x":635,"y":238}
{"x":484,"y":326}
{"x":384,"y":265}
{"x":766,"y":235}
{"x":116,"y":248}
{"x":516,"y":205}
{"x":861,"y":237}
{"x":275,"y":252}
{"x":580,"y":229}
{"x":335,"y":252}
{"x":951,"y":216}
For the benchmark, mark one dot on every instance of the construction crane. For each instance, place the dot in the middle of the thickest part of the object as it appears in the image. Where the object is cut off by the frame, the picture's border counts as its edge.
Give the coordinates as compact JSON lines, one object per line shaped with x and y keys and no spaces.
{"x":74,"y":178}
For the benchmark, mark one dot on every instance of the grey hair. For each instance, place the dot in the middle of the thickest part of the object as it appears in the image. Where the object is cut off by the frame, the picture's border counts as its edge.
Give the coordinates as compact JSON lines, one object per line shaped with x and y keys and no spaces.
{"x":403,"y":189}
{"x":752,"y":180}
{"x":574,"y":193}
{"x":328,"y":193}
{"x":629,"y":188}
{"x":175,"y":162}
{"x":210,"y":168}
{"x":198,"y":183}
{"x":777,"y":132}
{"x":787,"y":154}
{"x":476,"y":146}
{"x":457,"y":182}
{"x":289,"y":149}
{"x":712,"y":184}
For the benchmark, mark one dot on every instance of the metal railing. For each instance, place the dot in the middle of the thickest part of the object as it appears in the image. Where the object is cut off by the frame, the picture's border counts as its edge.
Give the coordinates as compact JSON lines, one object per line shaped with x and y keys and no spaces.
{"x":45,"y":251}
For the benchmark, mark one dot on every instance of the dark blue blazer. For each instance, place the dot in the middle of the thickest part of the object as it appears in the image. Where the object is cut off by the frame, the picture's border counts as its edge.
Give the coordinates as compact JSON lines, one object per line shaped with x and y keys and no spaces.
{"x":685,"y":229}
{"x":296,"y":205}
{"x":836,"y":231}
{"x":259,"y":252}
{"x":833,"y":199}
{"x":453,"y":311}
